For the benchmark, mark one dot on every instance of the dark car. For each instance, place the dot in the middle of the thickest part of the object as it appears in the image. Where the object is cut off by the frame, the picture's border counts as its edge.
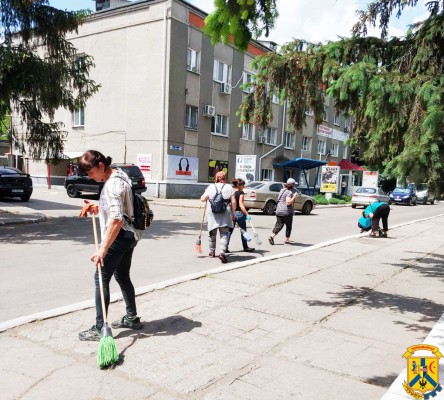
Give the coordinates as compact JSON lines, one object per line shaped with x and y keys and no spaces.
{"x":404,"y":196}
{"x":15,"y":183}
{"x":76,"y":184}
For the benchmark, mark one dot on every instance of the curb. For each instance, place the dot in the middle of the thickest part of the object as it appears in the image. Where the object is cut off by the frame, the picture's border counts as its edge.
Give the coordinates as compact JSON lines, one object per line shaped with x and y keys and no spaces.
{"x":19,"y":220}
{"x":185,"y":278}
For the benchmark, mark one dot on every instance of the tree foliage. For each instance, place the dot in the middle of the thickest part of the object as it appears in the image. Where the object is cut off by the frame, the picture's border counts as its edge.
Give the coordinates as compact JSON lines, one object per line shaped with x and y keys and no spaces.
{"x":393,"y":89}
{"x":40,"y":72}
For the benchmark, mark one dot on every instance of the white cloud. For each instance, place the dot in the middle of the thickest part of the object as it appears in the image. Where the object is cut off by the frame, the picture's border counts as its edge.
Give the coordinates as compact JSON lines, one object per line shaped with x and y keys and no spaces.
{"x":323,"y":20}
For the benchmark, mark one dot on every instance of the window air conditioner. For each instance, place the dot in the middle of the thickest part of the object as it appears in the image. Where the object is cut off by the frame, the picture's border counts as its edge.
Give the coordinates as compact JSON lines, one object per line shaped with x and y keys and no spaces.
{"x":209,"y":111}
{"x":225,"y":88}
{"x":261,"y":139}
{"x":345,"y":129}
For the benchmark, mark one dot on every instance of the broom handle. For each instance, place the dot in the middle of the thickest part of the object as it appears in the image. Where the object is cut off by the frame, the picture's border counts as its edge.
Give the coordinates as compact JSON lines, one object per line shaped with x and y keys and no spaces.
{"x":99,"y":270}
{"x":252,"y":227}
{"x":203,"y":218}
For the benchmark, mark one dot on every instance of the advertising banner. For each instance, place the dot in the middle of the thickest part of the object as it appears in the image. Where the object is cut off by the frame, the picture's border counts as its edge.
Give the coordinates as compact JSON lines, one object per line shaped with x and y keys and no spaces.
{"x":214,"y":166}
{"x":183,"y":168}
{"x":246,"y":168}
{"x":330,"y":179}
{"x":370,"y":178}
{"x":144,"y":162}
{"x":325,"y":131}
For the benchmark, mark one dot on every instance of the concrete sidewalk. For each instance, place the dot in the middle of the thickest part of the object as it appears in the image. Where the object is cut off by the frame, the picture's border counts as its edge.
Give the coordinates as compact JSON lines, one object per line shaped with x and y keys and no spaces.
{"x":326,"y":322}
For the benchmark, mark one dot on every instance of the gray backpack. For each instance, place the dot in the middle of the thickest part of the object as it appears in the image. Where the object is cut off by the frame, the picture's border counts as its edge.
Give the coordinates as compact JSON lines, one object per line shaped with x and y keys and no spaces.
{"x":218,"y":203}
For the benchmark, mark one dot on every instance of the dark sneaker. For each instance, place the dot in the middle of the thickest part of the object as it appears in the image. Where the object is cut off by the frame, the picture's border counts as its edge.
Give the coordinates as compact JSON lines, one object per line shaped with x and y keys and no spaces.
{"x":223,"y":259}
{"x":271,"y":240}
{"x":92,"y":334}
{"x":127,"y":322}
{"x":249,"y":249}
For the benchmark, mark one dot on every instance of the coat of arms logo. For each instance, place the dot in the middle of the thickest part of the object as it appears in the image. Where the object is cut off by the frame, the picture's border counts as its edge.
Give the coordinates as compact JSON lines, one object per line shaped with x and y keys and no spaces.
{"x":422,"y":371}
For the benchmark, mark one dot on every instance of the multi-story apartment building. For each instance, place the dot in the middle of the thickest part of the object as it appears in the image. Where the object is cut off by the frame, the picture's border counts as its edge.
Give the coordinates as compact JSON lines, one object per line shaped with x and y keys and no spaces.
{"x":168,"y":102}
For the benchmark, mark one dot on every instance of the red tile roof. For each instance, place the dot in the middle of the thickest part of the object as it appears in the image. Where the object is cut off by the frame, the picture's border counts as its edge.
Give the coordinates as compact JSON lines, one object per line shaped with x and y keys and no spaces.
{"x":349,"y":166}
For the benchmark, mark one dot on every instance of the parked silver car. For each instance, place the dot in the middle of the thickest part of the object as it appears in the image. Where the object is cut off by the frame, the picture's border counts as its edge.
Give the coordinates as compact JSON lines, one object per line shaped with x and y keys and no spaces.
{"x":264,"y":196}
{"x":364,"y":196}
{"x":423,"y":194}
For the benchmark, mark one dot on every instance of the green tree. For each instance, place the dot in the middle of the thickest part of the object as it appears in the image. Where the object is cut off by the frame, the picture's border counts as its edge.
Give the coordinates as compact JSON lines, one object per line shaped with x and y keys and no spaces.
{"x":392,"y":87}
{"x":40,"y":72}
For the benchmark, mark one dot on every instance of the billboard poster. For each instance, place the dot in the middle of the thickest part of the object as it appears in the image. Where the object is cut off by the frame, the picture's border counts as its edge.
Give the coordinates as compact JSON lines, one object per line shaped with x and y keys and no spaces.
{"x":370,"y":178}
{"x":214,"y":166}
{"x":325,"y":131}
{"x":144,"y":162}
{"x":246,"y":168}
{"x":330,"y":179}
{"x":183,"y":168}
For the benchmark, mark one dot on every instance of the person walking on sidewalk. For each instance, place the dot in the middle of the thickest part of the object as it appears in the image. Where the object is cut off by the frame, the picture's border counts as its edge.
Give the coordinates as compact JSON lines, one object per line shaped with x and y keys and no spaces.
{"x":118,"y":240}
{"x":241,"y":215}
{"x":375,"y":212}
{"x":220,"y":221}
{"x":285,"y":211}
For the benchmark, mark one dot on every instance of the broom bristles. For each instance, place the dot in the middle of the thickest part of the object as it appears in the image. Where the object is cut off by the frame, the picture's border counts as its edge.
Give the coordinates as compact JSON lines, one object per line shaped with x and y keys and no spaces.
{"x":107,"y":354}
{"x":198,"y":248}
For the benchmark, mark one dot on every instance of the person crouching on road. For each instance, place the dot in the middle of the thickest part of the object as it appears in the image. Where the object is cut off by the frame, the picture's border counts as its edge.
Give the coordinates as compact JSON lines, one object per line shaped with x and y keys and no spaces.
{"x":241,"y":215}
{"x":221,"y":222}
{"x":119,"y":238}
{"x":376,"y":212}
{"x":285,"y":211}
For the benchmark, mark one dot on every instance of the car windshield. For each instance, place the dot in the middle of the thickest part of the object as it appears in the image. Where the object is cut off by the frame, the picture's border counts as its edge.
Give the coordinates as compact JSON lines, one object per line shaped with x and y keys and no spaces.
{"x":366,"y":190}
{"x":10,"y":171}
{"x":401,"y":190}
{"x":254,"y":185}
{"x":422,"y":186}
{"x":131,"y":170}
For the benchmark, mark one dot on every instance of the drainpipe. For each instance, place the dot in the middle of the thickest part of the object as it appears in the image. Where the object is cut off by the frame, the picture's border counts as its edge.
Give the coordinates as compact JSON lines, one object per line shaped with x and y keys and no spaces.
{"x":163,"y":101}
{"x":282,"y":137}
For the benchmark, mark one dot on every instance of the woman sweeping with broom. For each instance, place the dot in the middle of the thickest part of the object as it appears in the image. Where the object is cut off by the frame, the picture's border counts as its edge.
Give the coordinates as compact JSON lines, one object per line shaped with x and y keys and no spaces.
{"x":119,"y":237}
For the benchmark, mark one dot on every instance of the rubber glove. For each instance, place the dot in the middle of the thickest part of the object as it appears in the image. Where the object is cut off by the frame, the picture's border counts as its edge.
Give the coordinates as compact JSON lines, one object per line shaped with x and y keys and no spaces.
{"x":248,"y":218}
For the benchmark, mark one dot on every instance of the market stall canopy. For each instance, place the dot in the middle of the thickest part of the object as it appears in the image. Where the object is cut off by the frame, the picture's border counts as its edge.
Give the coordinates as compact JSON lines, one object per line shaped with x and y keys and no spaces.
{"x":347,"y":165}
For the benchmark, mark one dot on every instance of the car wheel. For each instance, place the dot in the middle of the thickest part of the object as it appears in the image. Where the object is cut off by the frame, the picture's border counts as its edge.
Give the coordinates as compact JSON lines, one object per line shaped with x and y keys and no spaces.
{"x":269,"y":208}
{"x":25,"y":197}
{"x":307,"y":208}
{"x":72,"y":192}
{"x":432,"y":201}
{"x":410,"y":202}
{"x":353,"y":205}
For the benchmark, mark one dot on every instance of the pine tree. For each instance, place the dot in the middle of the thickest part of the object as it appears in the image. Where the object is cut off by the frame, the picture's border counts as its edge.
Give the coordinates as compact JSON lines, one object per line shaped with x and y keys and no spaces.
{"x":393,"y":88}
{"x":40,"y":72}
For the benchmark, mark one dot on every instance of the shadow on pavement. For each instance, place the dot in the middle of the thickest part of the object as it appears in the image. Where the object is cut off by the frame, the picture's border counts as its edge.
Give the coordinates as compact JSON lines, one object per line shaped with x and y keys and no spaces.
{"x":39,"y":205}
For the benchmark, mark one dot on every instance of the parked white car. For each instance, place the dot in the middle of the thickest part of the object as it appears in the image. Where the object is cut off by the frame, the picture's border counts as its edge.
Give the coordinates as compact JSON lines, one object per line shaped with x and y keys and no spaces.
{"x":364,"y":196}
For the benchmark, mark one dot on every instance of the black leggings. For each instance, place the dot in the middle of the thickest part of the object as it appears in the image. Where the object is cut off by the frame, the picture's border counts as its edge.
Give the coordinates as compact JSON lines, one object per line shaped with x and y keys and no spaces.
{"x":382,"y":212}
{"x":286,"y":220}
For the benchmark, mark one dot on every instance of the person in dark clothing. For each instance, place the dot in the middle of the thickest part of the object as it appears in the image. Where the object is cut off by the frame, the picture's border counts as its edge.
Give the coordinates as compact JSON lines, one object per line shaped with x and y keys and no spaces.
{"x":241,"y":215}
{"x":376,"y":212}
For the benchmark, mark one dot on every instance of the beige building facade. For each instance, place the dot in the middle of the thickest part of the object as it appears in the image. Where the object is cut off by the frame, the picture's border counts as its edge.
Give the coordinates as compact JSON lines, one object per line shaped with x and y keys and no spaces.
{"x":168,"y":101}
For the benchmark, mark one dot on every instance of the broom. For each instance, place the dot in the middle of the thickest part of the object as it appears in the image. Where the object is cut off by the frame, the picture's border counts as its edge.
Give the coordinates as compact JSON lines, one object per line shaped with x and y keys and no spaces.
{"x":107,"y":354}
{"x":198,"y":245}
{"x":256,"y":236}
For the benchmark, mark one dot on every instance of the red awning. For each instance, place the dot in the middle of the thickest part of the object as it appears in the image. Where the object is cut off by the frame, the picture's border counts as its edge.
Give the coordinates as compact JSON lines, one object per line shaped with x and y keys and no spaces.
{"x":349,"y":166}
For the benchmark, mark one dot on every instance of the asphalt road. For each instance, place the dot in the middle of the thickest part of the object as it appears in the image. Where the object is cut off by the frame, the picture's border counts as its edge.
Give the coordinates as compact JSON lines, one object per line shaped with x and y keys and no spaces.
{"x":46,"y":265}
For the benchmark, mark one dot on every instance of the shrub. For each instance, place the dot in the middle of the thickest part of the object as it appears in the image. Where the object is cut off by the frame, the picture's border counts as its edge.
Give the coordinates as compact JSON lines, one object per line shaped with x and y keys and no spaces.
{"x":320,"y":199}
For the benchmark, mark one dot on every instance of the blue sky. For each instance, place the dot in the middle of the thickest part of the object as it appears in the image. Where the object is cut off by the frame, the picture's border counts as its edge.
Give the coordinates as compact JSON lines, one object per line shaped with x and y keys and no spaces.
{"x":320,"y":20}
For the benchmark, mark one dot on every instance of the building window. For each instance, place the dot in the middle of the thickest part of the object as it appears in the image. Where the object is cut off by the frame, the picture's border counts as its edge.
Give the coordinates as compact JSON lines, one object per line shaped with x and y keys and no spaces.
{"x":248,"y":131}
{"x":193,"y":60}
{"x":321,"y":147}
{"x":306,"y":143}
{"x":78,"y":117}
{"x":248,"y":78}
{"x":336,"y":118}
{"x":325,"y":116}
{"x":221,"y":72}
{"x":275,"y":98}
{"x":346,"y":124}
{"x":266,"y":174}
{"x":335,"y":149}
{"x":270,"y":136}
{"x":219,"y":125}
{"x":191,"y":117}
{"x":290,"y":139}
{"x":345,"y":153}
